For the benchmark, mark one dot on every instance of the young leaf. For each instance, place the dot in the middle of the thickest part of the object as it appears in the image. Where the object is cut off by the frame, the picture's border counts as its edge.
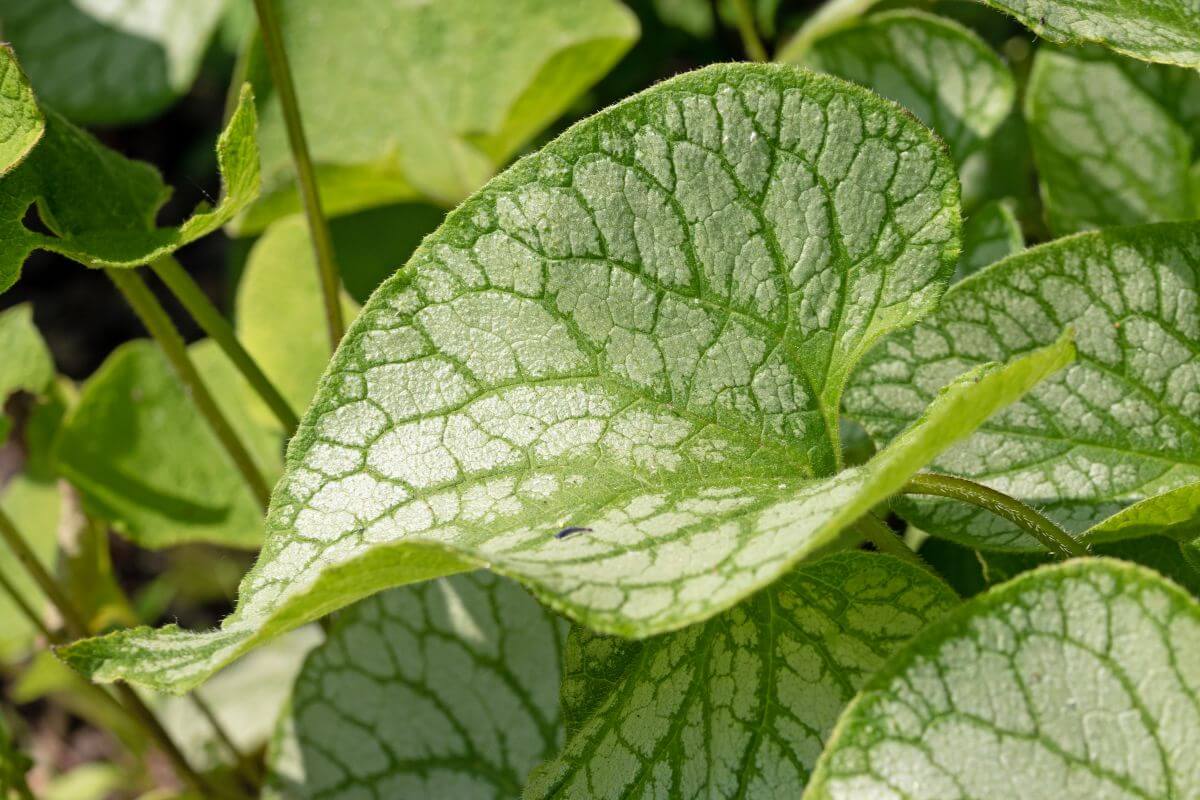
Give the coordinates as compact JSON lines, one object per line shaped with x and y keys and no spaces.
{"x":21,"y":121}
{"x":741,"y":705}
{"x":110,"y":63}
{"x":1114,"y":428}
{"x":26,"y":365}
{"x":1162,"y":31}
{"x":942,"y":72}
{"x":1108,"y":153}
{"x":581,"y":349}
{"x":473,"y":662}
{"x":101,"y":206}
{"x":1075,"y":680}
{"x":1175,"y":513}
{"x":404,"y":100}
{"x":990,"y":234}
{"x":143,"y":460}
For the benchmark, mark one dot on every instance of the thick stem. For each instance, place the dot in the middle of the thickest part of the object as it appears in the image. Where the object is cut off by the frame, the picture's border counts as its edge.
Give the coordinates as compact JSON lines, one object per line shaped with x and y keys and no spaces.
{"x":220,"y":331}
{"x":1049,"y":534}
{"x":749,"y":31}
{"x":318,"y":227}
{"x":155,"y":318}
{"x":877,"y":533}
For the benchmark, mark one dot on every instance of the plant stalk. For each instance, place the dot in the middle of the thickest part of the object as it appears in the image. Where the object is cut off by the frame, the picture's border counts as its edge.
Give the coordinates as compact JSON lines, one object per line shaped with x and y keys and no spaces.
{"x":749,"y":31}
{"x":245,"y":764}
{"x":318,"y":227}
{"x":1055,"y":539}
{"x":26,"y":610}
{"x":879,"y":534}
{"x":189,"y":293}
{"x":155,"y":318}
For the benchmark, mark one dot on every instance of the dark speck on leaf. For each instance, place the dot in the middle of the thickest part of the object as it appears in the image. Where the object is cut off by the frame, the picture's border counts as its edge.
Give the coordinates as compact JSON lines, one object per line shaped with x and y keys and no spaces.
{"x":565,"y":532}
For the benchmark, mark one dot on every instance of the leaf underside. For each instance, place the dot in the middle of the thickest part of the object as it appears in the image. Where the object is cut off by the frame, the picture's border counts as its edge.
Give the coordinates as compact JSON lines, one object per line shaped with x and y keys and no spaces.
{"x":639,"y":334}
{"x":447,"y":689}
{"x":741,"y":705}
{"x":1076,"y":680}
{"x":1116,"y":427}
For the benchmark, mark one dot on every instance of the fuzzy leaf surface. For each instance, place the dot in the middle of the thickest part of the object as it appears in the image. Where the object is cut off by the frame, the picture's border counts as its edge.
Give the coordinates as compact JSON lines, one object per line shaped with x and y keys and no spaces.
{"x":1162,"y":31}
{"x":937,"y":69}
{"x":741,"y":705}
{"x":587,"y":345}
{"x":1116,"y":427}
{"x":1108,"y":151}
{"x":1072,"y":681}
{"x":110,"y":63}
{"x":102,"y":206}
{"x":473,"y":661}
{"x":425,"y":100}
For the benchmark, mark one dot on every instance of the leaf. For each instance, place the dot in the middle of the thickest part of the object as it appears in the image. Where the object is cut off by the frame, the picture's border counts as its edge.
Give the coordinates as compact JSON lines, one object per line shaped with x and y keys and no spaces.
{"x":13,"y":763}
{"x":1175,"y":513}
{"x":144,"y":460}
{"x":248,"y":699}
{"x":1108,"y":153}
{"x":474,"y":663}
{"x":425,"y":100}
{"x":278,"y":299}
{"x":33,"y":507}
{"x":105,"y":63}
{"x":741,"y":705}
{"x":485,"y":400}
{"x":27,"y":365}
{"x":1162,"y":31}
{"x":101,"y":206}
{"x":990,"y":234}
{"x":21,"y":121}
{"x":941,"y":71}
{"x":1071,"y":681}
{"x":1116,"y":427}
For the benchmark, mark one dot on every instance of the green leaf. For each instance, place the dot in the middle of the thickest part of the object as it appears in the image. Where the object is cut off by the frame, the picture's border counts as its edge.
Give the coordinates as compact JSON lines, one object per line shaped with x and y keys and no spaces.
{"x":1108,"y":153}
{"x":1114,"y":428}
{"x":1175,"y":513}
{"x":105,"y":63}
{"x":277,"y":301}
{"x":13,"y":763}
{"x":473,"y":661}
{"x":741,"y":705}
{"x":142,"y":458}
{"x":1073,"y":681}
{"x":425,"y":100}
{"x":990,"y":234}
{"x":576,"y":347}
{"x":1162,"y":31}
{"x":27,"y":365}
{"x":34,"y":508}
{"x":21,"y":121}
{"x":101,"y":206}
{"x":941,"y":71}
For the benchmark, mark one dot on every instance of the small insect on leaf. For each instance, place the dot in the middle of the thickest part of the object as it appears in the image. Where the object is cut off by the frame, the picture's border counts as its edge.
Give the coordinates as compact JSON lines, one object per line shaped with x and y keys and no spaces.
{"x":570,"y":531}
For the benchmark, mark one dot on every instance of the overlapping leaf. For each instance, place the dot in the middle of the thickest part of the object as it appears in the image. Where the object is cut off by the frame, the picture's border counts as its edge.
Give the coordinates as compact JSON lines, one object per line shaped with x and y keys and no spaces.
{"x":1163,"y":31}
{"x":1117,"y":427}
{"x":405,"y":100}
{"x":26,"y":365}
{"x":741,"y":705}
{"x":990,"y":234}
{"x":109,"y":63}
{"x":449,"y":689}
{"x":1108,"y":148}
{"x":637,"y":339}
{"x":21,"y":121}
{"x":100,"y":206}
{"x":1074,"y":681}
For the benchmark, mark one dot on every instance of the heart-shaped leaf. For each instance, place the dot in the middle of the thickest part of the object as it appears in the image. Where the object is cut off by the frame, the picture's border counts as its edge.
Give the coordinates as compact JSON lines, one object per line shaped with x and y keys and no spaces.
{"x":448,"y":689}
{"x":1116,"y":427}
{"x":741,"y":705}
{"x":404,"y":100}
{"x":614,"y":374}
{"x":100,"y":206}
{"x":1076,"y":680}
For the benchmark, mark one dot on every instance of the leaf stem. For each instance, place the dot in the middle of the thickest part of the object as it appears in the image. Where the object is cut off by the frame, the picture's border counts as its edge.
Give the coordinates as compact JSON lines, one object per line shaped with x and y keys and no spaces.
{"x":244,"y":763}
{"x":318,"y":227}
{"x":189,"y":293}
{"x":1056,"y":540}
{"x":73,"y":621}
{"x":155,"y":318}
{"x":879,"y":534}
{"x":26,"y":610}
{"x":748,"y":31}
